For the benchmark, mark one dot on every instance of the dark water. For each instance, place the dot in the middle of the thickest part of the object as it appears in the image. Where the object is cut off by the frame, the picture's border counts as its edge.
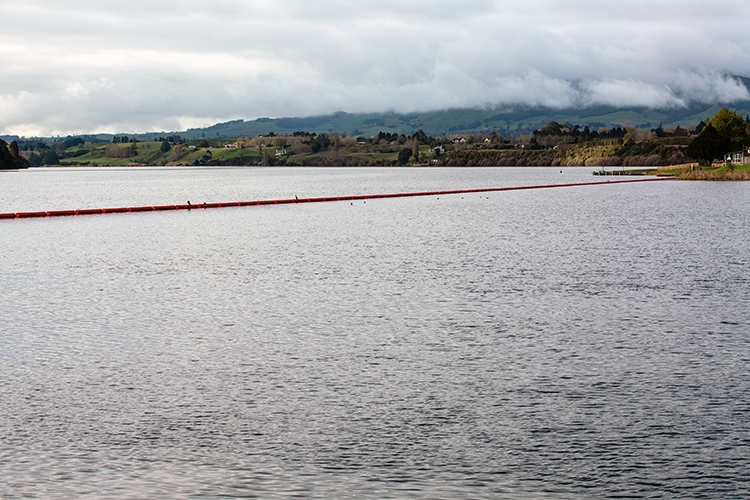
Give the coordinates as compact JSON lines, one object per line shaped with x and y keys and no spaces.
{"x":587,"y":342}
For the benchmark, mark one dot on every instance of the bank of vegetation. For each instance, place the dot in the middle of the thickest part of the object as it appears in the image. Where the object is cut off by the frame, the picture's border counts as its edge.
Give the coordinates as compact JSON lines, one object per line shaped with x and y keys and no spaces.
{"x":556,"y":144}
{"x":741,"y":173}
{"x":10,"y":157}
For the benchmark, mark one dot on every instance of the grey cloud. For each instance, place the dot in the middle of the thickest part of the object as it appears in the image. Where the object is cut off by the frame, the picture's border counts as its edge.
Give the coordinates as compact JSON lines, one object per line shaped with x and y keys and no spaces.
{"x":82,"y":66}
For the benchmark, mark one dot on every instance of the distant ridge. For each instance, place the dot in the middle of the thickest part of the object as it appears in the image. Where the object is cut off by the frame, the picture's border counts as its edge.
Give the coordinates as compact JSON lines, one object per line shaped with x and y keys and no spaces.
{"x":506,"y":120}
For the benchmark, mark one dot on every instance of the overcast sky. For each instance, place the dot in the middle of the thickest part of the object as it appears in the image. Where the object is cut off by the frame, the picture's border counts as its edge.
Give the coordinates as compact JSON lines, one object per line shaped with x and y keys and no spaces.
{"x":79,"y":66}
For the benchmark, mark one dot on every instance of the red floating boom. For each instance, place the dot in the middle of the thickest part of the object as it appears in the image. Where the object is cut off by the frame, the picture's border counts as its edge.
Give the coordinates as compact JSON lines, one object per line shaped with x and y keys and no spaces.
{"x":161,"y":208}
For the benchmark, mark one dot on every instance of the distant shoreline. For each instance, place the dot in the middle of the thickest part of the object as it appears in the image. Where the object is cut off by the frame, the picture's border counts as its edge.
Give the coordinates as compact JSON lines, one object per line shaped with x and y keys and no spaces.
{"x":688,"y":171}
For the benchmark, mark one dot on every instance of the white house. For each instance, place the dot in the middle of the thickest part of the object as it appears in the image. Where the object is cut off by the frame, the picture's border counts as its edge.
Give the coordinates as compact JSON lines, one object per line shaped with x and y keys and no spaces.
{"x":740,"y":157}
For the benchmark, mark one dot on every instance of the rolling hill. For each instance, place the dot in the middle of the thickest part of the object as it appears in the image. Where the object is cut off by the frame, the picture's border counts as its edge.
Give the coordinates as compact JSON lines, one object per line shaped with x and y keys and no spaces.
{"x":508,"y":121}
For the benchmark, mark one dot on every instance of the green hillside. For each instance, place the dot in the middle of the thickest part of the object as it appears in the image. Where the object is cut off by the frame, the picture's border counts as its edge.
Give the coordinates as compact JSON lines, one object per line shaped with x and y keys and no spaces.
{"x":507,"y":121}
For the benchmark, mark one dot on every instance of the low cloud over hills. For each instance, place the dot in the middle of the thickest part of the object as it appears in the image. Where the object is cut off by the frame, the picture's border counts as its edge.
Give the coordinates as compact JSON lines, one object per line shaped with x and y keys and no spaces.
{"x":86,"y":67}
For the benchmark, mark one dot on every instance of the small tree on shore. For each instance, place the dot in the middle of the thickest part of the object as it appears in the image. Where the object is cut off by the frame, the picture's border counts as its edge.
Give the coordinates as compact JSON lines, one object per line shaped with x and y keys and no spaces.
{"x":404,"y":155}
{"x":50,"y":158}
{"x":709,"y":145}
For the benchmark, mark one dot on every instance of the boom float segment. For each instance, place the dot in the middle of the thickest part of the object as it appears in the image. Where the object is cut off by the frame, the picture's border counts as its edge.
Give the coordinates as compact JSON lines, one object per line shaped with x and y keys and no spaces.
{"x":162,"y":208}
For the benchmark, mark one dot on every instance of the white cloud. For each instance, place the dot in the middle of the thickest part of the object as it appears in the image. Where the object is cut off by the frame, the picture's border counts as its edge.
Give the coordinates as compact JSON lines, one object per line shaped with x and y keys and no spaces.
{"x":631,"y":93}
{"x":82,"y":66}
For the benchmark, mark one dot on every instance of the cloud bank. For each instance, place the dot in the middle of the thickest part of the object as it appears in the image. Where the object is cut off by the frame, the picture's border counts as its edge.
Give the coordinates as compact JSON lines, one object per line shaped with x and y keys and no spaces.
{"x":83,"y":66}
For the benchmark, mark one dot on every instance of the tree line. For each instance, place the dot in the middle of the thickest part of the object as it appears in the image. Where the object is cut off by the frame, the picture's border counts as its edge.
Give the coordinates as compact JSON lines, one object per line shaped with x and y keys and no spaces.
{"x":724,"y":133}
{"x":727,"y":132}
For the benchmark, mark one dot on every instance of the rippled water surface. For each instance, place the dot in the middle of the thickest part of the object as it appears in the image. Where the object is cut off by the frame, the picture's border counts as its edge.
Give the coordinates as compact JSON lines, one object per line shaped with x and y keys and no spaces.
{"x":579,"y":342}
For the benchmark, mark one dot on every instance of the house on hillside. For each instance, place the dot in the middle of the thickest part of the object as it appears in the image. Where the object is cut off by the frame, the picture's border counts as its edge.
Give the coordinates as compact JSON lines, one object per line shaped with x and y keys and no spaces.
{"x":740,"y":157}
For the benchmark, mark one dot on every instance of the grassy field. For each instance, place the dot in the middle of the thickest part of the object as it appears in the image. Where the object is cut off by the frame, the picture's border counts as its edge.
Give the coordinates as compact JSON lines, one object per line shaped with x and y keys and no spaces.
{"x":150,"y":154}
{"x":713,"y":173}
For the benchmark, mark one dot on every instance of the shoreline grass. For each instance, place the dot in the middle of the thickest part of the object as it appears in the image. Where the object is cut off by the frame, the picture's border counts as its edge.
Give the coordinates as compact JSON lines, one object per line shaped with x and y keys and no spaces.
{"x":692,"y":172}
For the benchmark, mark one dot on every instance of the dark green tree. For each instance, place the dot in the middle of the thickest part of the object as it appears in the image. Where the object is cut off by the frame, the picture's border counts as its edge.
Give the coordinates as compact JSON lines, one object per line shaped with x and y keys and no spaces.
{"x":50,"y":158}
{"x":165,"y":147}
{"x":320,"y":143}
{"x":709,"y":145}
{"x":35,"y":159}
{"x":404,"y":155}
{"x":6,"y":159}
{"x":9,"y":156}
{"x":72,"y":141}
{"x":421,"y":137}
{"x":731,"y":125}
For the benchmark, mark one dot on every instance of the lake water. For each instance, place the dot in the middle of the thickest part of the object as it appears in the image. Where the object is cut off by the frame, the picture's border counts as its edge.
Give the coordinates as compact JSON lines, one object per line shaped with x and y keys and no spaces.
{"x":579,"y":342}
